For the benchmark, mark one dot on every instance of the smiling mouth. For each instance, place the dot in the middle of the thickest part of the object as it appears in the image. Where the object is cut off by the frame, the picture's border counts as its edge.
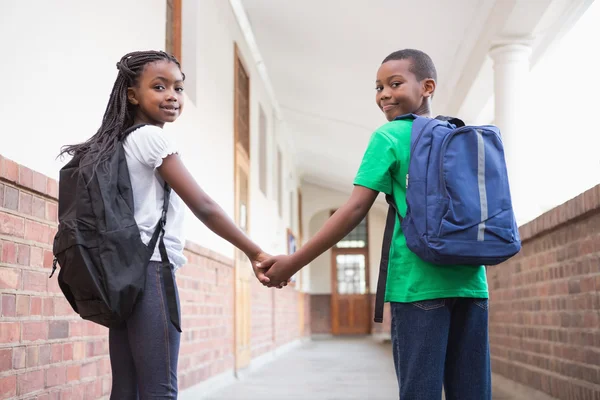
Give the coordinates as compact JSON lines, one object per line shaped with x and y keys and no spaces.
{"x":170,"y":109}
{"x":388,"y":107}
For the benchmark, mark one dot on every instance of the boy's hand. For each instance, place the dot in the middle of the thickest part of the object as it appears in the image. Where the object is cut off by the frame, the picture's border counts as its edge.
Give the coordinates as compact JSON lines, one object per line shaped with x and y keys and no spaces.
{"x":259,"y":272}
{"x":279,"y":269}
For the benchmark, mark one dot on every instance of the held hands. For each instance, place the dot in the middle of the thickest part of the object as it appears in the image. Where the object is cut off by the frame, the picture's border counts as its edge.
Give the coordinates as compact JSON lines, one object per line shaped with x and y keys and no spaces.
{"x":278,"y":270}
{"x":259,"y":271}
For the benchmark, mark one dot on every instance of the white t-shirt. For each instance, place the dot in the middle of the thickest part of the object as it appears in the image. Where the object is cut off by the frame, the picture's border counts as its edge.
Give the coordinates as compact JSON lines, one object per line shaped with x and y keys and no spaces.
{"x":145,"y":149}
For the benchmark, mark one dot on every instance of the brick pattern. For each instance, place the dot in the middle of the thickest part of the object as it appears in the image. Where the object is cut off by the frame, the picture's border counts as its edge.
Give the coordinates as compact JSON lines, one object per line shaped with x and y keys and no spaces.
{"x":275,"y":317}
{"x":49,"y":352}
{"x":545,"y":303}
{"x":306,"y":329}
{"x":263,"y":318}
{"x":46,"y":351}
{"x":287,"y":320}
{"x":33,"y":181}
{"x":206,"y":289}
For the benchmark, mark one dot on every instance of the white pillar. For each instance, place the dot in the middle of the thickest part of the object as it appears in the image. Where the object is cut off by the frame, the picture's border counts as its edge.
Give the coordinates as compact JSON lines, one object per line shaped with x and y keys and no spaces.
{"x":511,"y":75}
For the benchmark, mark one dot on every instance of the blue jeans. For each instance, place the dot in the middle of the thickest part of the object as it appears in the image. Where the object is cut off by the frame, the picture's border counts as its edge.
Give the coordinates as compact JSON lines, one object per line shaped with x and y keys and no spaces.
{"x":144,"y":353}
{"x":442,"y":342}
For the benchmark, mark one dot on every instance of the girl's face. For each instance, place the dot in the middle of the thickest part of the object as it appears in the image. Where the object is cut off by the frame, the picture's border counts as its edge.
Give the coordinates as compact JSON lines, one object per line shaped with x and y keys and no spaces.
{"x":158,"y":94}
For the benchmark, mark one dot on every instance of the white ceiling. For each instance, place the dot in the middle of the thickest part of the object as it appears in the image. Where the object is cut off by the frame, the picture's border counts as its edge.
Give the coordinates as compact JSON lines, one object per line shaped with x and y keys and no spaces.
{"x":322,"y":57}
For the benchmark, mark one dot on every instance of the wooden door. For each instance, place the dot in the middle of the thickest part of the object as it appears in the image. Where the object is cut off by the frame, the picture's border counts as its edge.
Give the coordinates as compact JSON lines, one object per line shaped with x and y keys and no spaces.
{"x":299,"y":283}
{"x":173,"y":29}
{"x":243,"y":270}
{"x":350,"y":299}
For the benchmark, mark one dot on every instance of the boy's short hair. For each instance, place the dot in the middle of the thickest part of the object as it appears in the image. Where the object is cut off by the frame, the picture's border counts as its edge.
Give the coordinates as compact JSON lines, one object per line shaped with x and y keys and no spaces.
{"x":421,"y":64}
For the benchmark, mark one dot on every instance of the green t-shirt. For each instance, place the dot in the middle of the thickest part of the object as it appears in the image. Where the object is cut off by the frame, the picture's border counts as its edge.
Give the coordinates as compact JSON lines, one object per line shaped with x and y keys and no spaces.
{"x":384,"y":168}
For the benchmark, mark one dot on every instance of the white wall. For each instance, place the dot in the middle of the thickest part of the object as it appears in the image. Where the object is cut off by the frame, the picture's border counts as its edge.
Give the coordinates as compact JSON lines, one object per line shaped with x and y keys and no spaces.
{"x":60,"y":67}
{"x":320,"y":269}
{"x":560,"y":121}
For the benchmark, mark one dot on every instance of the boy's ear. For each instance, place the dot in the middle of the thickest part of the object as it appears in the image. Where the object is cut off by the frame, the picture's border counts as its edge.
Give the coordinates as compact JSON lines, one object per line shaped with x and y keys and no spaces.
{"x":131,"y":96}
{"x":428,"y":87}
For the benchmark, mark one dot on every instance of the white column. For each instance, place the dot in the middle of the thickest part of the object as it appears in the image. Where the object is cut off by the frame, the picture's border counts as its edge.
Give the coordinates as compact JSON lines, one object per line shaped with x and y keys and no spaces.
{"x":511,"y":74}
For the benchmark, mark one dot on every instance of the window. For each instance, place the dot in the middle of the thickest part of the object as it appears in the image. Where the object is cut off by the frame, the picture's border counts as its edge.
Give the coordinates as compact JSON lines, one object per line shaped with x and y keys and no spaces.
{"x":350,"y":261}
{"x":351,"y":273}
{"x":173,"y":28}
{"x":242,"y":106}
{"x":279,"y":183}
{"x":272,"y":156}
{"x":300,"y":230}
{"x":357,"y":238}
{"x":262,"y":151}
{"x":292,"y":213}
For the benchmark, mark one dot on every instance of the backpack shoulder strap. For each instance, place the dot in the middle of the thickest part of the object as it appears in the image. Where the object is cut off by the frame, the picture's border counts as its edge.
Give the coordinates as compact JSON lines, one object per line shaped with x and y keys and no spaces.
{"x":167,"y":267}
{"x":388,"y":234}
{"x":131,"y":129}
{"x":163,"y":218}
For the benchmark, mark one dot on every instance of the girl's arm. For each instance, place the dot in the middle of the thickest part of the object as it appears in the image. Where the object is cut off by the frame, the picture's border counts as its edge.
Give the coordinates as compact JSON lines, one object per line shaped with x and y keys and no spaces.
{"x":174,"y":172}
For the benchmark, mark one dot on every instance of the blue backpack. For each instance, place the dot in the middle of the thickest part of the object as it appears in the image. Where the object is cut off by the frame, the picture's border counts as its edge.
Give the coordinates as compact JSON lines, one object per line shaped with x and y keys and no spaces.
{"x":459,"y":209}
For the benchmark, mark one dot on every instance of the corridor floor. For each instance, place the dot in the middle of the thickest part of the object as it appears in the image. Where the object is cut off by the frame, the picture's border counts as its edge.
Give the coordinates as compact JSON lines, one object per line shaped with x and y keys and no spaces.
{"x":324,"y":369}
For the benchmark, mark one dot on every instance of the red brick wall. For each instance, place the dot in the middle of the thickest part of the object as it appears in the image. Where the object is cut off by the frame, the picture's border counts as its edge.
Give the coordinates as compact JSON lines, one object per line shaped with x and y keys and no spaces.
{"x":545,"y":303}
{"x":287,"y":321}
{"x":206,"y":290}
{"x":307,"y":328}
{"x":44,"y":348}
{"x":263,"y":317}
{"x":48,"y":352}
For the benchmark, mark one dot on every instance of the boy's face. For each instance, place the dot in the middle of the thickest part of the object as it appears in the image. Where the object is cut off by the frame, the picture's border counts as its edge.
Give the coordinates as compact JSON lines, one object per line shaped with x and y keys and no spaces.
{"x":399,"y":92}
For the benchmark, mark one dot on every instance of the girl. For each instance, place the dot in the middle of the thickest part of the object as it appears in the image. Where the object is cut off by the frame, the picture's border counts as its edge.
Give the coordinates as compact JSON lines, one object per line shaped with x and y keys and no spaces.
{"x":149,"y":90}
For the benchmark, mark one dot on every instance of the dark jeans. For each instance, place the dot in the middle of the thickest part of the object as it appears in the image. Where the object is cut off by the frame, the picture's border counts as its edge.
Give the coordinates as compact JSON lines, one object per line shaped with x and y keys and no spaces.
{"x":442,"y":342}
{"x":144,"y":353}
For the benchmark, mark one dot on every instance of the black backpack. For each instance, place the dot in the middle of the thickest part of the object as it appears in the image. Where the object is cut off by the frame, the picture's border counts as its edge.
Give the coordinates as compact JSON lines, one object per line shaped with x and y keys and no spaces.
{"x":102,"y":257}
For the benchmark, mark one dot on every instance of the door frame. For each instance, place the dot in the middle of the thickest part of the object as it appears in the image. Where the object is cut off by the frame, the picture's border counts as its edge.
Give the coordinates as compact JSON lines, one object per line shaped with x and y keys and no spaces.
{"x":335,"y":251}
{"x":241,"y":315}
{"x":301,"y":295}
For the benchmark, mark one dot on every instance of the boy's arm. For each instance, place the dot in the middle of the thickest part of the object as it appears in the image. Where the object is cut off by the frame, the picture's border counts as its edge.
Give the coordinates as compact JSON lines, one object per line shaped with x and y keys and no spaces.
{"x":373,"y":176}
{"x":346,"y":218}
{"x":341,"y":223}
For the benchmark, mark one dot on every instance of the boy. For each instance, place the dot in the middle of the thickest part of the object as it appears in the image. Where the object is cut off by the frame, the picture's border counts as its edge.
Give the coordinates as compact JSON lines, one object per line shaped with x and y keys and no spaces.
{"x":439,"y":313}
